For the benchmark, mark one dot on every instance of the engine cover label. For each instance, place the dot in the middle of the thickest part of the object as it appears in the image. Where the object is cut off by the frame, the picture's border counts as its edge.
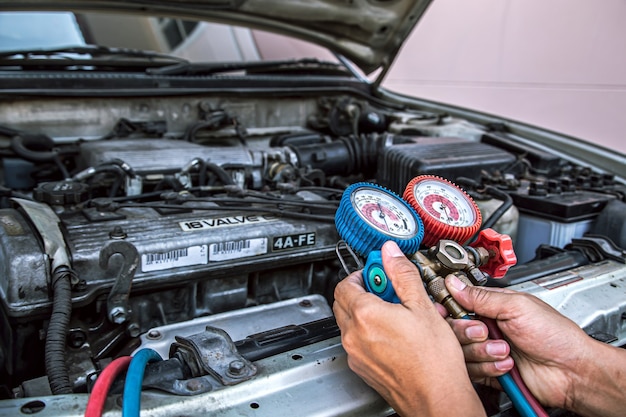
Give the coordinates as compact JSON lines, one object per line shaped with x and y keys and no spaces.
{"x":214,"y":223}
{"x":293,"y":241}
{"x":236,"y":249}
{"x":193,"y":255}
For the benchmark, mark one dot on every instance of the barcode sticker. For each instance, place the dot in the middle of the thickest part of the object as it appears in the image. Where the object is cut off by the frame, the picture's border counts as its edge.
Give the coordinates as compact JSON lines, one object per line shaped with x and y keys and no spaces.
{"x":235,"y":249}
{"x":193,"y":255}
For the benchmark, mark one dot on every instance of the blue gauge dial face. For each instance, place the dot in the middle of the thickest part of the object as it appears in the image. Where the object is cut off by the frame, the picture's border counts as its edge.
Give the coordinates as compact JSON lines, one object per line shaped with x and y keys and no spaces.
{"x":384,"y":212}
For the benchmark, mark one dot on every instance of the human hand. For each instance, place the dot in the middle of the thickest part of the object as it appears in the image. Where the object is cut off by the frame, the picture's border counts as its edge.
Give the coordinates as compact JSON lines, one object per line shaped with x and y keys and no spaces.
{"x":548,"y":349}
{"x":404,"y":351}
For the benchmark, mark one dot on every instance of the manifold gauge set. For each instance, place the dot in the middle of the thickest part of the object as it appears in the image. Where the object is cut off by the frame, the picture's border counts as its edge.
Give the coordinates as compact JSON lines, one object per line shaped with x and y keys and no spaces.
{"x":432,"y":212}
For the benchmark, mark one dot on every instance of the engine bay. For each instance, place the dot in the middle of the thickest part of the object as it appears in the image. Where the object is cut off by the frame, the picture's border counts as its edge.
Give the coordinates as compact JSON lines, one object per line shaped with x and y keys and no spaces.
{"x":153,"y":218}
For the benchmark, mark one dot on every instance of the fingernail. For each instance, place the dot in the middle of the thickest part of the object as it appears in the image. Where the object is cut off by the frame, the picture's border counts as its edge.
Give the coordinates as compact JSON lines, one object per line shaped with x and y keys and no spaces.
{"x":505,"y":364}
{"x":392,"y":249}
{"x":457,"y":283}
{"x":475,"y":332}
{"x":496,"y":348}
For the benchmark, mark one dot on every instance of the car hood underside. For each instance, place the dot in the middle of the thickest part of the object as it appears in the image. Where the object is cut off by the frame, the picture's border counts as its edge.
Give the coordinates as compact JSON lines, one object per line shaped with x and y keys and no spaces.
{"x":368,"y":32}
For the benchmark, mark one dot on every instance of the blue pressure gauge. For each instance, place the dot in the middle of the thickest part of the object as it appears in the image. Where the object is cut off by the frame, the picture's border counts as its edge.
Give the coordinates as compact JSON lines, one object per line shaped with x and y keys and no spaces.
{"x":368,"y":216}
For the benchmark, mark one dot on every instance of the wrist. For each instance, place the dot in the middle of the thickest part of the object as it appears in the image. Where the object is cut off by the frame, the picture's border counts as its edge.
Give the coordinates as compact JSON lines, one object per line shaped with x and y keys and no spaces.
{"x":598,"y":384}
{"x":458,"y":399}
{"x":452,"y":394}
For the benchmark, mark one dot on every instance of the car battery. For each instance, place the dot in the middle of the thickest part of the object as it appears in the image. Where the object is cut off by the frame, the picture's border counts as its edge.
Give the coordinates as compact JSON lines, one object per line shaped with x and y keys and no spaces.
{"x":553,"y":217}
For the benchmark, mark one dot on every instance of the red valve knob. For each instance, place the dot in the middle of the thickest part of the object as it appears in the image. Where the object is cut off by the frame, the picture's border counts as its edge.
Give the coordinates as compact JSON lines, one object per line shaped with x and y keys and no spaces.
{"x":501,"y":254}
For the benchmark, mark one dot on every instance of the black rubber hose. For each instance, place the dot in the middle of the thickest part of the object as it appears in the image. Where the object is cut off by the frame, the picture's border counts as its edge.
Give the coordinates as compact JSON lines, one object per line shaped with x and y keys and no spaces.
{"x":216,"y":119}
{"x":343,"y":156}
{"x":120,"y":175}
{"x":56,"y":368}
{"x":169,"y":182}
{"x":365,"y":150}
{"x":219,"y":172}
{"x":37,"y":148}
{"x":34,"y":148}
{"x":201,"y":171}
{"x":507,"y":202}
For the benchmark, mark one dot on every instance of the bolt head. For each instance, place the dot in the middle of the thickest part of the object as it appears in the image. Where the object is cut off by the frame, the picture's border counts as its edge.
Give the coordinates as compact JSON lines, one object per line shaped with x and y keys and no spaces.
{"x":133,"y":330}
{"x":117,"y":315}
{"x":236,"y":367}
{"x":193,"y":385}
{"x":154,"y":334}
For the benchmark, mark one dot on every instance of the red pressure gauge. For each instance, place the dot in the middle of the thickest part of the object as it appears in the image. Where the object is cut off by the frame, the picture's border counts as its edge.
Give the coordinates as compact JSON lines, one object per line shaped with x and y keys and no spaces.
{"x":447,"y":211}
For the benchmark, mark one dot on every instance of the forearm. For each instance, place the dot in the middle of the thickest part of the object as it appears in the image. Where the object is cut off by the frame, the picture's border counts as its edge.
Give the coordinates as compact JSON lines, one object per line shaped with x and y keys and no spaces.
{"x":600,"y":387}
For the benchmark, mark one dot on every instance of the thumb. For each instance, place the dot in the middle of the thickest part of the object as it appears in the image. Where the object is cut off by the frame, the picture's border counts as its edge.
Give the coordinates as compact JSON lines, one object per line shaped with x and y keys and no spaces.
{"x":487,"y":302}
{"x":403,"y":274}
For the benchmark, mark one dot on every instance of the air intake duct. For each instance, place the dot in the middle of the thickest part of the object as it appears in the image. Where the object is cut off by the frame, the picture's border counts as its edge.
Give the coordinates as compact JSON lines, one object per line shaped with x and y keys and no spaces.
{"x":447,"y":157}
{"x":343,"y":156}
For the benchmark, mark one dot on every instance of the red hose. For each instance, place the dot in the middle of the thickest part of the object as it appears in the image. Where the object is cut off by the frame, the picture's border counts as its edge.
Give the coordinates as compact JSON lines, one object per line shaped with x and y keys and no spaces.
{"x":98,"y":396}
{"x":495,"y":333}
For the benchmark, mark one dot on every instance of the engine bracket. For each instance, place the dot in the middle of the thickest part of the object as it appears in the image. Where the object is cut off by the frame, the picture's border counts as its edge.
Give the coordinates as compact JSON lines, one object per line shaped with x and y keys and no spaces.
{"x":213,"y":352}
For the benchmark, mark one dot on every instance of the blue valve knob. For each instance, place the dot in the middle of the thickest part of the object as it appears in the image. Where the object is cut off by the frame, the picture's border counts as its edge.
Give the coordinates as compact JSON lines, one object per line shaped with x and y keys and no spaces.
{"x":376,"y":280}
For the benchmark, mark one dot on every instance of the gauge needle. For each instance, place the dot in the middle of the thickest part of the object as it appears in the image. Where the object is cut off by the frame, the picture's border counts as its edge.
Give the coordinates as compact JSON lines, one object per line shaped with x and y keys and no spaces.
{"x":382,"y":216}
{"x":445,"y":210}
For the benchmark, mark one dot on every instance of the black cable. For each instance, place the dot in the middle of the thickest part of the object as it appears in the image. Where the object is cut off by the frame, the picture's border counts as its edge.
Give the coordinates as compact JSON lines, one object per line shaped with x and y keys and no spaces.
{"x":216,"y":119}
{"x":64,"y":172}
{"x":305,"y":204}
{"x":55,"y":346}
{"x":264,"y":198}
{"x":322,"y":189}
{"x":278,"y":212}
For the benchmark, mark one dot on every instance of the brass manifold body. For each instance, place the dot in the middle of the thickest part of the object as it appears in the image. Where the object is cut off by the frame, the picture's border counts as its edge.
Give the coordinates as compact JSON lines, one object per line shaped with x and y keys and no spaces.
{"x":449,"y":257}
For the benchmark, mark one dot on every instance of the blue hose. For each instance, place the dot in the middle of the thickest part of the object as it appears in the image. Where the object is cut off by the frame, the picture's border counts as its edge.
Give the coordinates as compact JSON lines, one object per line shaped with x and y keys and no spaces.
{"x":134,"y":377}
{"x":509,"y":386}
{"x":520,"y":402}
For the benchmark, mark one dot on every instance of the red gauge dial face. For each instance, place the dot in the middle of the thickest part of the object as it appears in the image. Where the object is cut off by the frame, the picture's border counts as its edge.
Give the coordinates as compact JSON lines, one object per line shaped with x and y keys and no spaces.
{"x":445,"y":202}
{"x":441,"y":208}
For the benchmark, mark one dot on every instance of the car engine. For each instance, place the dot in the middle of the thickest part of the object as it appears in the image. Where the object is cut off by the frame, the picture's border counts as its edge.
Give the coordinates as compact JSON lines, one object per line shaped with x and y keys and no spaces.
{"x":164,"y":222}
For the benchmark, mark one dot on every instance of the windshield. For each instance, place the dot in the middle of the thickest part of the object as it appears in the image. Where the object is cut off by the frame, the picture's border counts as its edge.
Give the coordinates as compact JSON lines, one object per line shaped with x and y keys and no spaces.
{"x":195,"y":41}
{"x":39,"y":30}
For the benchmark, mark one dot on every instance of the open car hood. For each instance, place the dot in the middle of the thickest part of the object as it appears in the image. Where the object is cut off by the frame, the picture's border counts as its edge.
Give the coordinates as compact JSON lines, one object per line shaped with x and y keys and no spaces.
{"x":368,"y":32}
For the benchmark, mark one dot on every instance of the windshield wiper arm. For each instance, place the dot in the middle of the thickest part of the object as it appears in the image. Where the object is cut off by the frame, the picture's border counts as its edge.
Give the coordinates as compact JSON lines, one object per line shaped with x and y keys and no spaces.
{"x":307,"y":65}
{"x":87,"y":57}
{"x":91,"y":50}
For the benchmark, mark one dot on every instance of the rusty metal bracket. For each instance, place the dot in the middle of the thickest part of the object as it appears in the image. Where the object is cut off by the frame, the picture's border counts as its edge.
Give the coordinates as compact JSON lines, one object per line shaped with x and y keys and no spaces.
{"x":213,"y":352}
{"x":118,"y":306}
